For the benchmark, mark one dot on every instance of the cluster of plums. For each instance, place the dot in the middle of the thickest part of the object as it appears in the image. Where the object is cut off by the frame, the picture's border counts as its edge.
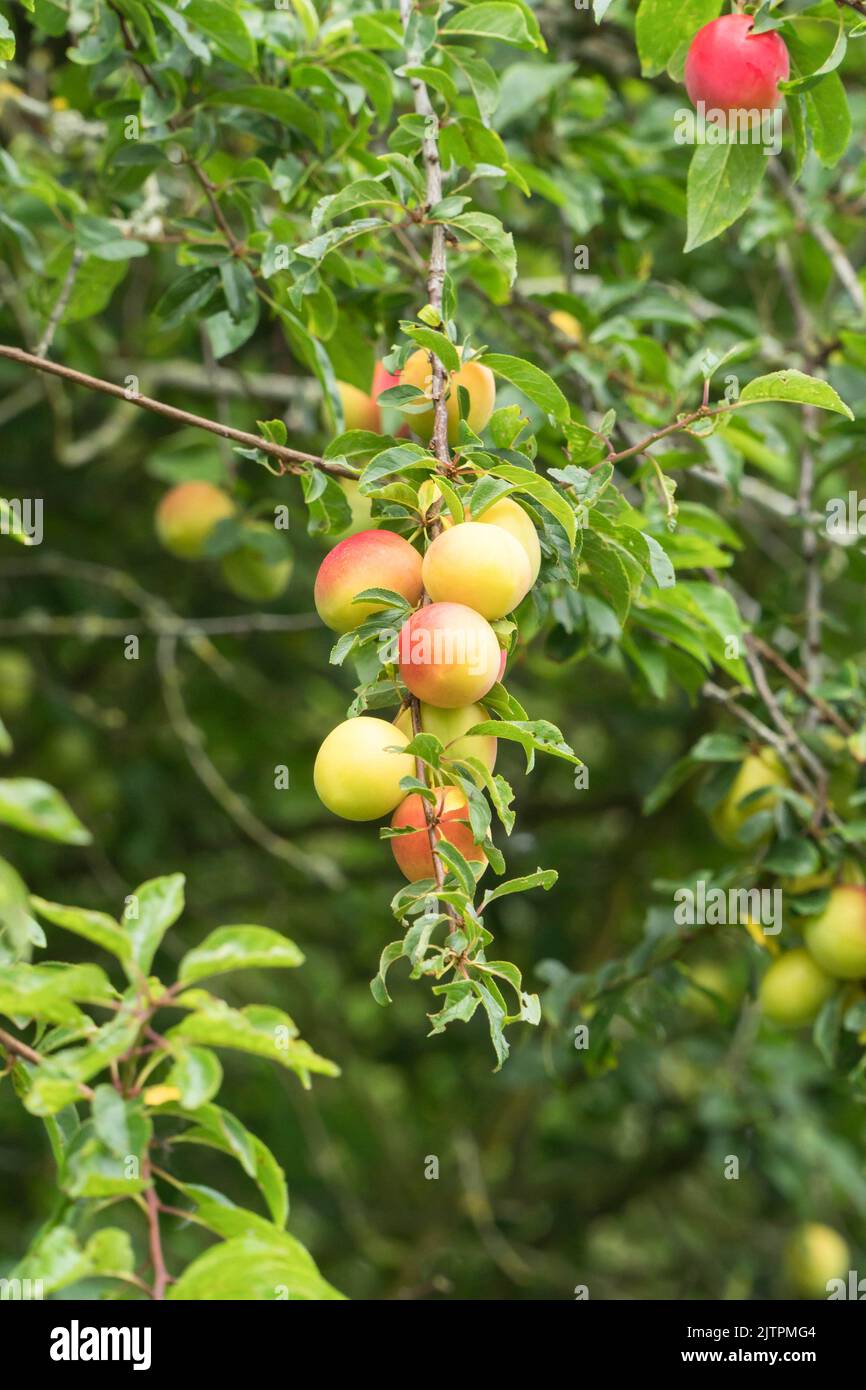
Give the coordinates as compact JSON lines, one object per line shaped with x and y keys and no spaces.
{"x":186,"y":516}
{"x":798,"y":982}
{"x":447,"y":654}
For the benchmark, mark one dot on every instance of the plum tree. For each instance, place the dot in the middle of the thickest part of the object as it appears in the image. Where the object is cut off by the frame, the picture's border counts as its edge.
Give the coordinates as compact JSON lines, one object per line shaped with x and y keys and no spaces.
{"x":474,"y":376}
{"x":730,"y":817}
{"x":367,"y":560}
{"x":359,"y":766}
{"x":448,"y":655}
{"x":481,"y":566}
{"x":450,"y":726}
{"x":360,"y":411}
{"x":450,"y":822}
{"x":794,"y":989}
{"x":187,"y":514}
{"x":729,"y":68}
{"x":837,"y":936}
{"x":252,"y":574}
{"x":814,"y":1255}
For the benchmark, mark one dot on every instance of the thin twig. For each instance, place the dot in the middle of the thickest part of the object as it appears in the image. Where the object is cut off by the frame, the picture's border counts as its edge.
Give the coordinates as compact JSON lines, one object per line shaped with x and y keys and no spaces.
{"x":233,"y":805}
{"x":845,"y":272}
{"x":161,"y":1276}
{"x":60,"y":304}
{"x":797,"y":680}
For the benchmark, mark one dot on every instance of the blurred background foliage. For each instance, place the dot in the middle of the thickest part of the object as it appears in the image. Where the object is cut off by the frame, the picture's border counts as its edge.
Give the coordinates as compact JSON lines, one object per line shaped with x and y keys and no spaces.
{"x":565,"y":1169}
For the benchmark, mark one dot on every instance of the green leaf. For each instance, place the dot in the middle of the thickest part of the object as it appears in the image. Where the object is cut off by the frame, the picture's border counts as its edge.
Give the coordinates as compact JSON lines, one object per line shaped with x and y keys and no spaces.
{"x":221,"y":1130}
{"x":97,"y":927}
{"x":489,"y":231}
{"x":238,"y":948}
{"x":723,"y":180}
{"x":56,"y":1259}
{"x":258,"y":1029}
{"x":362,"y":193}
{"x":432,"y":341}
{"x":792,"y":385}
{"x":197,"y":1073}
{"x":392,"y":952}
{"x":251,"y":1267}
{"x":829,"y":119}
{"x":531,"y":734}
{"x":280,"y":104}
{"x":150,"y":911}
{"x":38,"y":809}
{"x":490,"y":20}
{"x":48,"y":991}
{"x":110,"y":1119}
{"x":93,"y":1170}
{"x":326,"y":242}
{"x":532,"y":381}
{"x":57,"y":1083}
{"x":542,"y":878}
{"x":225,"y":28}
{"x":663,"y":26}
{"x":7,"y":41}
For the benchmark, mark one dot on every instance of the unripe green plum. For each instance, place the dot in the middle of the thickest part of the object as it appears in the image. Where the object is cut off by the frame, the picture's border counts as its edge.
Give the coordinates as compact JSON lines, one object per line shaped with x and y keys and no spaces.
{"x":814,"y":1255}
{"x":369,"y":560}
{"x":794,"y":989}
{"x":449,"y":726}
{"x":481,"y":566}
{"x":450,"y":818}
{"x":448,"y":655}
{"x":187,"y":514}
{"x":17,"y":679}
{"x":757,"y":770}
{"x":359,"y":766}
{"x":251,"y":574}
{"x":837,"y":936}
{"x":712,"y":978}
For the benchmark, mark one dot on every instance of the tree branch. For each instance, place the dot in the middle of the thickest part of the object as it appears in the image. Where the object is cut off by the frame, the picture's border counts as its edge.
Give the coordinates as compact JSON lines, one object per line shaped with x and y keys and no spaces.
{"x":291,"y":460}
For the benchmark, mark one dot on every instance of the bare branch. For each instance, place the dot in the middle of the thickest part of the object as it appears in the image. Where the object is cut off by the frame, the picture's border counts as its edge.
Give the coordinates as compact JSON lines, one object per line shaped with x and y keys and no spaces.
{"x":291,"y":460}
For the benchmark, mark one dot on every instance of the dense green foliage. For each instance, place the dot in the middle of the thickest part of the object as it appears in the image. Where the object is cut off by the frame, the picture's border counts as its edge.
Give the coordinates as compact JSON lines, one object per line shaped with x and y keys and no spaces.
{"x":226,"y":208}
